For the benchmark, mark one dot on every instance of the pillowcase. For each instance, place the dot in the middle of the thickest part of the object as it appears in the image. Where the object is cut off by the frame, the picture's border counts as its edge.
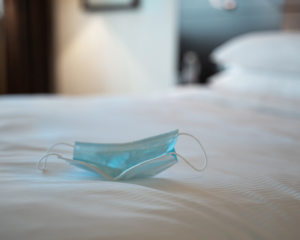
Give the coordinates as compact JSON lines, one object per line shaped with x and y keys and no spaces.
{"x":271,"y":50}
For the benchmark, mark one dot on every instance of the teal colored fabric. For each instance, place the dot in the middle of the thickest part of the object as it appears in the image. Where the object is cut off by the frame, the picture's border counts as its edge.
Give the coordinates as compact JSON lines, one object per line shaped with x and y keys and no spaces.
{"x":143,"y":158}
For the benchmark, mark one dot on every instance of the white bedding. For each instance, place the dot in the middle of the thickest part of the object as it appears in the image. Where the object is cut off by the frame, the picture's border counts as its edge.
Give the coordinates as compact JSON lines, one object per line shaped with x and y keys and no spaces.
{"x":262,"y":71}
{"x":250,"y":189}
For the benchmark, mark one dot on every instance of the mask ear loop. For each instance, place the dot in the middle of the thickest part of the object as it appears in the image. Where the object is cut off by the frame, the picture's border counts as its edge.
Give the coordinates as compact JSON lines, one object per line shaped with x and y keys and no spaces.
{"x":205,"y":164}
{"x":47,"y":154}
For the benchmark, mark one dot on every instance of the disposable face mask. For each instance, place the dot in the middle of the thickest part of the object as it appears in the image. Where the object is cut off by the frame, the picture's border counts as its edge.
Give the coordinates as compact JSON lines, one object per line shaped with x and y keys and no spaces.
{"x":122,"y":161}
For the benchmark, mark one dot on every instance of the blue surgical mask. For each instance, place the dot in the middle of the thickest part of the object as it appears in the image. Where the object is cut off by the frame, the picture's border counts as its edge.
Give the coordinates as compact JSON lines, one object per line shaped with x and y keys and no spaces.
{"x":122,"y":161}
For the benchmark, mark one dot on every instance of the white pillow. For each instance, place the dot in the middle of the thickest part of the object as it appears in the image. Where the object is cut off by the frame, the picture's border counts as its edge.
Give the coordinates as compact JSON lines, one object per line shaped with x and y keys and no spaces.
{"x":272,"y":50}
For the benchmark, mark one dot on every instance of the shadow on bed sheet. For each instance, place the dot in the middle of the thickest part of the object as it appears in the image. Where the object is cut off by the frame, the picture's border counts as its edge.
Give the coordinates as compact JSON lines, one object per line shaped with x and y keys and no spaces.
{"x":157,"y":183}
{"x":160,"y":184}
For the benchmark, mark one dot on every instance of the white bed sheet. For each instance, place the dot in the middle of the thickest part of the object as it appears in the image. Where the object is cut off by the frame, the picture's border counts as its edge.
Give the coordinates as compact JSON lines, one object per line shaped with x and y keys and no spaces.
{"x":232,"y":98}
{"x":250,"y":189}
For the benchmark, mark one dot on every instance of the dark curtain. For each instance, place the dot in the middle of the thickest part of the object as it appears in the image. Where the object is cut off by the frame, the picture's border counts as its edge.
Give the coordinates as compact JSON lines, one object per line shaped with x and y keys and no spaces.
{"x":28,"y":46}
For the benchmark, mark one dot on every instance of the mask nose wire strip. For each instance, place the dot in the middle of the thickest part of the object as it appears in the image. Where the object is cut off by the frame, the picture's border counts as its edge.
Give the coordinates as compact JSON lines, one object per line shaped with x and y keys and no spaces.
{"x":205,"y":164}
{"x":47,"y":154}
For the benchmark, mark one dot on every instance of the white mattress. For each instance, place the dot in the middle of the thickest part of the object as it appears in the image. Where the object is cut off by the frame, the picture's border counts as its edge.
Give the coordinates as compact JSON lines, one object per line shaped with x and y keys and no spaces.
{"x":250,"y":189}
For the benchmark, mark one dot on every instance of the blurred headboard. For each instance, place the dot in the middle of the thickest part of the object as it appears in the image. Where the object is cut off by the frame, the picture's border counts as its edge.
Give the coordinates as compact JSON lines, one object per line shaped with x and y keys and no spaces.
{"x":291,"y":15}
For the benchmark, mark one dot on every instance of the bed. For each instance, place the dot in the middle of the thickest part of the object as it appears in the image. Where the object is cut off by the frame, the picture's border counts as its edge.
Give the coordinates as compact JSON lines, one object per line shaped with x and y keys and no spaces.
{"x":249,"y":190}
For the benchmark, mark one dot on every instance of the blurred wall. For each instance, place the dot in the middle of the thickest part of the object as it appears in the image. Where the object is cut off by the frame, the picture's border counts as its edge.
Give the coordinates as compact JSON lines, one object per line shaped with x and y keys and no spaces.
{"x":129,"y":51}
